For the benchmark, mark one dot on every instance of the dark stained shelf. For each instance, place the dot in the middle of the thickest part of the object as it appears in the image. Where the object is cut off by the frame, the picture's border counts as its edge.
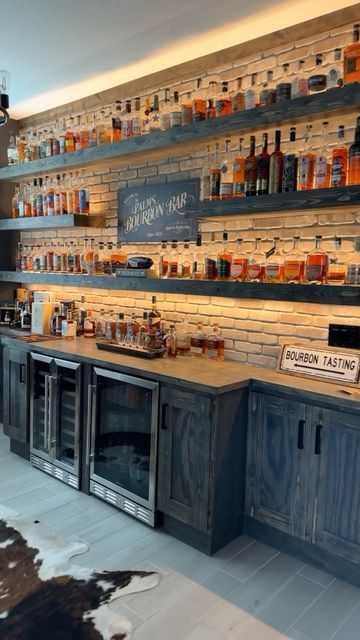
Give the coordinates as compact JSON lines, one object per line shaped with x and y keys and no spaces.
{"x":327,"y":294}
{"x":296,"y":201}
{"x":66,"y":221}
{"x":161,"y":144}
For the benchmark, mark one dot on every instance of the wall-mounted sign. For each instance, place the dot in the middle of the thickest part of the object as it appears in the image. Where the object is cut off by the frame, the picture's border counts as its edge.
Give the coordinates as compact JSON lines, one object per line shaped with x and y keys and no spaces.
{"x":332,"y":365}
{"x":152,"y":213}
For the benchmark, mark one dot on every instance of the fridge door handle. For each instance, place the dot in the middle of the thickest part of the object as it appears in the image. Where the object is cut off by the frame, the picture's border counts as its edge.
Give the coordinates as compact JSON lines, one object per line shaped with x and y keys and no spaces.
{"x":22,"y":373}
{"x":89,"y":453}
{"x":53,"y":397}
{"x":50,"y":416}
{"x":46,"y":409}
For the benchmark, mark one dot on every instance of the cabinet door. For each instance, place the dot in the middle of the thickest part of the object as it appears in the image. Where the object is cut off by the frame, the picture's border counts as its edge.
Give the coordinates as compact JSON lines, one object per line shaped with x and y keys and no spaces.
{"x":336,"y":504}
{"x":15,"y":394}
{"x":276,"y":478}
{"x":184,"y":456}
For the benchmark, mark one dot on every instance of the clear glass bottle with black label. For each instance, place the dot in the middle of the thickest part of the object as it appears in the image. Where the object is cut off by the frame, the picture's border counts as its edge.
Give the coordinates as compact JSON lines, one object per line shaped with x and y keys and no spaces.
{"x":290,"y":166}
{"x":318,"y":81}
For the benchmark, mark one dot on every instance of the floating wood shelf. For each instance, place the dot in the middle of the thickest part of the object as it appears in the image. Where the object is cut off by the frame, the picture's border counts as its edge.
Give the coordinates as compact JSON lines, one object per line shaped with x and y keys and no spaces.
{"x":288,"y":203}
{"x":162,"y":143}
{"x":65,"y":221}
{"x":328,"y":294}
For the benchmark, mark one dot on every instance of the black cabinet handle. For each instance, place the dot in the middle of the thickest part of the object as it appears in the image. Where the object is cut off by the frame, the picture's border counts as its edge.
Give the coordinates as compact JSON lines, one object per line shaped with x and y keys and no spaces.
{"x":22,"y":373}
{"x":163,"y":417}
{"x":301,"y":428}
{"x":318,"y":439}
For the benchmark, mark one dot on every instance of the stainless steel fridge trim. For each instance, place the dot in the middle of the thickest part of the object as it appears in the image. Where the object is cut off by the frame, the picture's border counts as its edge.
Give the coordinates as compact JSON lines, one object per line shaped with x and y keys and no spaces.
{"x":46,"y":411}
{"x":154,"y":387}
{"x":73,"y":469}
{"x":50,"y":415}
{"x":40,"y":357}
{"x":46,"y":359}
{"x":91,"y":391}
{"x":67,"y":364}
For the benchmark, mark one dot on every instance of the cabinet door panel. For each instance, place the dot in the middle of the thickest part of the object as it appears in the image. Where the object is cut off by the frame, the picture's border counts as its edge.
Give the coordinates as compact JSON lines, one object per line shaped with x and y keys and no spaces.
{"x":184,"y":457}
{"x":338,"y":497}
{"x":15,"y":394}
{"x":276,"y":466}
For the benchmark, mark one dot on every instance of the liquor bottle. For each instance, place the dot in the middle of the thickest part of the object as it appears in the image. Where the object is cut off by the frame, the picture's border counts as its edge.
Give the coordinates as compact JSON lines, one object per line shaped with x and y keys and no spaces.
{"x":136,"y":121}
{"x":336,"y":273}
{"x":63,"y":203}
{"x":250,"y":93}
{"x":146,"y":116}
{"x":100,"y":324}
{"x":126,"y":121}
{"x":69,"y":140}
{"x":197,"y":269}
{"x":163,"y":260}
{"x":165,"y":111}
{"x":318,"y":81}
{"x":262,"y":168}
{"x":62,"y":137}
{"x":276,"y":166}
{"x":186,"y":109}
{"x":353,"y":267}
{"x":15,"y":203}
{"x":183,"y":336}
{"x":83,"y":195}
{"x":215,"y":344}
{"x":238,"y":97}
{"x":50,"y":199}
{"x":239,"y":263}
{"x":306,"y":163}
{"x":33,"y":199}
{"x":294,"y":263}
{"x":116,"y":121}
{"x":283,"y":89}
{"x":12,"y":152}
{"x":76,"y":136}
{"x":198,"y":341}
{"x":226,"y":173}
{"x":154,"y":313}
{"x":322,"y":167}
{"x":223,"y":103}
{"x":185,"y":266}
{"x":250,"y":172}
{"x":339,"y":160}
{"x":274,"y":265}
{"x":268,"y":92}
{"x":89,"y":325}
{"x":69,"y":195}
{"x":239,"y":172}
{"x":120,"y":331}
{"x":211,"y":260}
{"x":290,"y":166}
{"x":171,"y":342}
{"x":299,"y":85}
{"x":205,"y":175}
{"x":84,"y":130}
{"x":354,"y":157}
{"x":352,"y":58}
{"x":75,"y":190}
{"x":256,"y":264}
{"x":210,"y":109}
{"x":33,"y":145}
{"x":316,"y":264}
{"x":173,"y":270}
{"x":212,"y":95}
{"x":18,"y":256}
{"x":215,"y":175}
{"x":198,"y":103}
{"x":175,"y":111}
{"x":223,"y":263}
{"x":335,"y":72}
{"x":118,"y":258}
{"x":57,"y":196}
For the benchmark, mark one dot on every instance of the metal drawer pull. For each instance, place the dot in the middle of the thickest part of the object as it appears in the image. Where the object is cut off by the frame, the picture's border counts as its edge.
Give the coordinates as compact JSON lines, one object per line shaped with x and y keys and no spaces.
{"x":22,"y":373}
{"x":163,"y":417}
{"x":318,"y":439}
{"x":301,"y":428}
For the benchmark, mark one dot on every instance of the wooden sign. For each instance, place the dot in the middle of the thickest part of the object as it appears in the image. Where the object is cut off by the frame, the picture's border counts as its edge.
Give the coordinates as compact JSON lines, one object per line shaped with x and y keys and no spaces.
{"x":318,"y":363}
{"x":152,"y":213}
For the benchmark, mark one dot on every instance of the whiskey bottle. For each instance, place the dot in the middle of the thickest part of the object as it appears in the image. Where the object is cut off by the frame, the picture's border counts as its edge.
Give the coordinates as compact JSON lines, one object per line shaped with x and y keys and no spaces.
{"x":223,"y":103}
{"x":175,"y":111}
{"x":339,"y":160}
{"x":223,"y":264}
{"x":238,"y":97}
{"x":185,"y":267}
{"x":205,"y":175}
{"x":335,"y":72}
{"x":171,"y":342}
{"x":352,"y":58}
{"x":197,"y":272}
{"x":299,"y":85}
{"x":316,"y":264}
{"x":306,"y":163}
{"x":262,"y":168}
{"x":226,"y":173}
{"x":256,"y":265}
{"x":198,"y":341}
{"x":250,"y":93}
{"x":163,"y":260}
{"x":294,"y":264}
{"x":276,"y":166}
{"x":336,"y":273}
{"x":116,"y":123}
{"x":154,"y":314}
{"x":173,"y":268}
{"x":239,"y":172}
{"x":155,"y":115}
{"x":274,"y":265}
{"x":212,"y":94}
{"x":239,"y":263}
{"x":165,"y":111}
{"x":250,"y":170}
{"x":354,"y":157}
{"x":214,"y":346}
{"x":183,"y":337}
{"x":211,"y":260}
{"x":136,"y":120}
{"x":290,"y":166}
{"x":353,"y":268}
{"x":322,"y":167}
{"x":215,"y":175}
{"x":126,"y":121}
{"x":283,"y":89}
{"x":198,"y":103}
{"x":318,"y":81}
{"x":268,"y":92}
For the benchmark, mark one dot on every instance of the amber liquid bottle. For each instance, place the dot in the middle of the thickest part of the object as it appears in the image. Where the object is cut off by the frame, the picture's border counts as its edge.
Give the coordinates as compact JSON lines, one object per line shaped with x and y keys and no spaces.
{"x":239,"y":172}
{"x":352,"y":58}
{"x":354,"y":157}
{"x":316,"y":264}
{"x":306,"y":163}
{"x":251,"y":170}
{"x":276,"y":166}
{"x":263,"y":164}
{"x":223,"y":263}
{"x":215,"y":175}
{"x":339,"y":161}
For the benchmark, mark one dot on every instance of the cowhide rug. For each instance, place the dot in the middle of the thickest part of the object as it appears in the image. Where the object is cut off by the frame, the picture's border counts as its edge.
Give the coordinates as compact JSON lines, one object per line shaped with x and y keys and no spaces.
{"x":45,"y":597}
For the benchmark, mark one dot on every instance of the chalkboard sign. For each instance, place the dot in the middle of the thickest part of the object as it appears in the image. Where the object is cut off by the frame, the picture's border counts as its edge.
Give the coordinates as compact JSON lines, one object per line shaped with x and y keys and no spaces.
{"x":152,"y":213}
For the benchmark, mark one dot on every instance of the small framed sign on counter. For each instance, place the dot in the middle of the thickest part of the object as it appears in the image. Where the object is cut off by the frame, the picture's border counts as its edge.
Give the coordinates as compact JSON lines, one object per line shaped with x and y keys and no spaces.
{"x":152,"y":213}
{"x":335,"y":366}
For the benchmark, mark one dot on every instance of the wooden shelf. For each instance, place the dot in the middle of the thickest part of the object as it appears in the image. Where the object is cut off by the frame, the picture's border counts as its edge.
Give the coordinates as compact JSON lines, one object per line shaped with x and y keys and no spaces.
{"x":288,"y":203}
{"x":328,"y":294}
{"x":160,"y":144}
{"x":66,"y":221}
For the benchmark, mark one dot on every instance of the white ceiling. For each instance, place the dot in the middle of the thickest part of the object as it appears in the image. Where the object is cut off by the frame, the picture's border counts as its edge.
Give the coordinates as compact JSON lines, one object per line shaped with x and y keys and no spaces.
{"x":59,"y":50}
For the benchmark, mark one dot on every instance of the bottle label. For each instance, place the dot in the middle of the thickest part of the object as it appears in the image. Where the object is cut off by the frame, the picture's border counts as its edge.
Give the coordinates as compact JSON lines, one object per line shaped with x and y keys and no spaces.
{"x":173,"y":269}
{"x":351,"y":64}
{"x":210,"y":269}
{"x":289,"y":172}
{"x":198,"y":110}
{"x":214,"y":184}
{"x":276,"y":171}
{"x":353,"y":273}
{"x":39,"y":204}
{"x":250,"y":99}
{"x":304,"y":170}
{"x":211,"y":352}
{"x":238,"y":268}
{"x":238,"y":189}
{"x":186,"y":114}
{"x":136,"y":126}
{"x":175,"y":119}
{"x":273,"y":271}
{"x":320,"y":171}
{"x":299,"y":88}
{"x":126,"y":128}
{"x":338,"y":171}
{"x":196,"y":350}
{"x":226,"y":189}
{"x":82,"y":200}
{"x":50,"y":204}
{"x":255,"y":271}
{"x":223,"y":268}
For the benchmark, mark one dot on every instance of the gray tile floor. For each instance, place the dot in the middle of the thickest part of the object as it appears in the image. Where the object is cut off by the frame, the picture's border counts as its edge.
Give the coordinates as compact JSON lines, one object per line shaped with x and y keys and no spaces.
{"x":247,"y":591}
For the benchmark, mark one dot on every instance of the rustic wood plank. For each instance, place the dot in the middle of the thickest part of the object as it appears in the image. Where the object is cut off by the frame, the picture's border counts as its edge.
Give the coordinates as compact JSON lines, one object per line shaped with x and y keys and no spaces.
{"x":159,"y":144}
{"x":68,"y":220}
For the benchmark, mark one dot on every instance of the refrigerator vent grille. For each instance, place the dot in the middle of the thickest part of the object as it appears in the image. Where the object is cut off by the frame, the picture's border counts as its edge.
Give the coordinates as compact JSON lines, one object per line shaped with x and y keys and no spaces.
{"x":119,"y":501}
{"x":54,"y":471}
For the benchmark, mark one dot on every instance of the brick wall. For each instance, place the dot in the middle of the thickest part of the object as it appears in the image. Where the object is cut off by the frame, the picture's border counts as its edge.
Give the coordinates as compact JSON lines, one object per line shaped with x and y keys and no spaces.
{"x":254,"y":330}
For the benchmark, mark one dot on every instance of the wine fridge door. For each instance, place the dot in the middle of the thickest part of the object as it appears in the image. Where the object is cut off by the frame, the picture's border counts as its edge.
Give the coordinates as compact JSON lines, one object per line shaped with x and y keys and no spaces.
{"x":40,"y":405}
{"x":123,"y":440}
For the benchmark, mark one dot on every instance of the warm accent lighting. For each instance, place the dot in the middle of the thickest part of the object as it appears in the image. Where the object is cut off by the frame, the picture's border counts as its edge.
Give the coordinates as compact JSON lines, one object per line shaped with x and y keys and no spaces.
{"x":4,"y":96}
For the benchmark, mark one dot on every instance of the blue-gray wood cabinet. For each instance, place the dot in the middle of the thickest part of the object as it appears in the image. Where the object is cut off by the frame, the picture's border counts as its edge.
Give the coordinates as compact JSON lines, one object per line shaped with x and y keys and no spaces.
{"x":15,"y":394}
{"x":303,"y":472}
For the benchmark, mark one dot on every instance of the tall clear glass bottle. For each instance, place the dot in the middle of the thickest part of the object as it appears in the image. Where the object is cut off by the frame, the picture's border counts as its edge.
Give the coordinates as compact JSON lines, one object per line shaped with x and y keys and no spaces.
{"x":250,"y":170}
{"x":173,"y":270}
{"x":290,"y":166}
{"x":339,"y":160}
{"x":274,"y":265}
{"x":211,"y":259}
{"x":239,"y":172}
{"x":353,"y":267}
{"x":306,"y":162}
{"x":197,"y":269}
{"x":239,"y":263}
{"x":299,"y":85}
{"x":263,"y":168}
{"x":205,"y":175}
{"x":276,"y":166}
{"x":215,"y":174}
{"x":215,"y":344}
{"x":316,"y":264}
{"x":198,"y":341}
{"x":223,"y":265}
{"x":226,"y":173}
{"x":322,"y":167}
{"x":354,"y":157}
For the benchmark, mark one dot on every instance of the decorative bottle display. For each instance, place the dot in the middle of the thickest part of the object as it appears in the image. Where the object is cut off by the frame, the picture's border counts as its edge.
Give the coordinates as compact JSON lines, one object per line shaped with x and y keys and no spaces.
{"x":316,"y":264}
{"x":294,"y":263}
{"x":354,"y":157}
{"x":352,"y":58}
{"x":214,"y":346}
{"x":262,"y":169}
{"x":339,"y":161}
{"x":276,"y":166}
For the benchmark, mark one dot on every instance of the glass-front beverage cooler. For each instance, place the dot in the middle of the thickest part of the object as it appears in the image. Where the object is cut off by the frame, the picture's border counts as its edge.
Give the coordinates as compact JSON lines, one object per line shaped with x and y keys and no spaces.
{"x":122,"y":441}
{"x":55,"y":414}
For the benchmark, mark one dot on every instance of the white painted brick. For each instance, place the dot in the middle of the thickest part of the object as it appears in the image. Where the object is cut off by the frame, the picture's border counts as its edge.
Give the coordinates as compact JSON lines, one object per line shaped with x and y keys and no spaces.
{"x":262,"y":339}
{"x":236,"y":356}
{"x":272,"y":351}
{"x":265,"y":316}
{"x":169,"y":167}
{"x":299,"y":53}
{"x":263,"y":361}
{"x":247,"y":347}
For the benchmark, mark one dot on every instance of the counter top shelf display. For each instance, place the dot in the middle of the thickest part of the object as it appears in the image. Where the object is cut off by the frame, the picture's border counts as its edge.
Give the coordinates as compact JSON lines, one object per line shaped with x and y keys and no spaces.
{"x":328,"y":294}
{"x":295,"y":201}
{"x":159,"y":144}
{"x":66,"y":221}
